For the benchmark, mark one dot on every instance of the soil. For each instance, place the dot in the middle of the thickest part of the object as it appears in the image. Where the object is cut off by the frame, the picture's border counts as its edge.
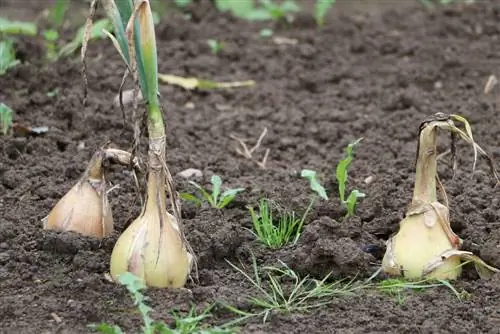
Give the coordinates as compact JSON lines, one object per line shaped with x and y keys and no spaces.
{"x":372,"y":73}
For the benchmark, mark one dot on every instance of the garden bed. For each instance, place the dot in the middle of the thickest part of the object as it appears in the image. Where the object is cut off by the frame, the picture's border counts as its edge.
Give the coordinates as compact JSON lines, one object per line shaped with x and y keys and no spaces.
{"x":371,"y":74}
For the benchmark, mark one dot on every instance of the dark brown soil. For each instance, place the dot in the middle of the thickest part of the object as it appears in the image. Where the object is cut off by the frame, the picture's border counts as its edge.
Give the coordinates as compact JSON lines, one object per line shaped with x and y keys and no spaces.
{"x":375,"y":75}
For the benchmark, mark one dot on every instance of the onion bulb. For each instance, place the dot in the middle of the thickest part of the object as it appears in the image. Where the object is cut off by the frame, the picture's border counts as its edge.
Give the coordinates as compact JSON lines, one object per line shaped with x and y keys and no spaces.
{"x":152,"y":247}
{"x":85,"y":207}
{"x":425,"y":246}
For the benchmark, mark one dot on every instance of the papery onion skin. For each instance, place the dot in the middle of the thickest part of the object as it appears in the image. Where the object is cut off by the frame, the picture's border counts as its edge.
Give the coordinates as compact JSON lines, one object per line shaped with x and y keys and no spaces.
{"x":414,"y":246}
{"x":151,"y":248}
{"x":83,"y":209}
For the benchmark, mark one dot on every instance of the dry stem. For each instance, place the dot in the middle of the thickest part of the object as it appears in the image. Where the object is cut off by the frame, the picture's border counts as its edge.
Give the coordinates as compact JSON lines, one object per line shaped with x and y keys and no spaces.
{"x":248,"y":153}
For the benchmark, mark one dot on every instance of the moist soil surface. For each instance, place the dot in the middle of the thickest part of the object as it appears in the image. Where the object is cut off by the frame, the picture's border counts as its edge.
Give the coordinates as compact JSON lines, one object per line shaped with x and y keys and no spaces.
{"x":373,"y":73}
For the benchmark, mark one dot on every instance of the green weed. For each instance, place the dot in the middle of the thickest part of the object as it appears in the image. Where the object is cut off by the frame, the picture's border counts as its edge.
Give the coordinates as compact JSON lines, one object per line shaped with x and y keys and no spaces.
{"x":215,"y":46}
{"x":189,"y":324}
{"x":321,"y":9}
{"x":5,"y":118}
{"x":7,"y":30}
{"x":215,"y":199}
{"x":8,"y":27}
{"x":7,"y":56}
{"x":282,"y":290}
{"x":96,"y":32}
{"x":264,"y":10}
{"x":341,"y":174}
{"x":266,"y":33}
{"x":397,"y":287}
{"x":275,"y":232}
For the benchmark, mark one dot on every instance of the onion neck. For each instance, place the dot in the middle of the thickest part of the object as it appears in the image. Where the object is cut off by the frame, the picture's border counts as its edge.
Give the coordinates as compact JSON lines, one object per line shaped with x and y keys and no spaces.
{"x":156,"y":199}
{"x":426,"y":167}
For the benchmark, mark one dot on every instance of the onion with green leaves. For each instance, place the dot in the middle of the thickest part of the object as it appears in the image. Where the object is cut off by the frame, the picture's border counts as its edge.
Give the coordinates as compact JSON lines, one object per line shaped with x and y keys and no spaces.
{"x":425,"y":245}
{"x":153,"y":247}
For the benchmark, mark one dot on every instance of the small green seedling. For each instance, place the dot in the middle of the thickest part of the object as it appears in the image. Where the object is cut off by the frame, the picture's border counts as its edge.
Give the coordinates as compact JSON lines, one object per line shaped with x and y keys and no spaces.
{"x":215,"y":199}
{"x":288,"y":227}
{"x":275,"y":232}
{"x":134,"y":286}
{"x":341,"y":174}
{"x":52,"y":35}
{"x":215,"y":46}
{"x":315,"y":185}
{"x":183,"y":325}
{"x":96,"y":32}
{"x":182,"y":3}
{"x":265,"y":10}
{"x":266,"y":32}
{"x":5,"y":118}
{"x":7,"y":56}
{"x":7,"y":52}
{"x":321,"y":9}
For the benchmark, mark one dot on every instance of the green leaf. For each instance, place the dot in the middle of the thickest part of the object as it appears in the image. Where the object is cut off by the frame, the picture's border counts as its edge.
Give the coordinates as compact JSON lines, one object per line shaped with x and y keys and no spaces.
{"x":266,"y":33}
{"x":96,"y":32}
{"x":216,"y":185}
{"x":215,"y":45}
{"x":239,"y":8}
{"x":146,"y":51}
{"x":5,"y":117}
{"x":343,"y":166}
{"x":17,"y":27}
{"x":119,"y":12}
{"x":259,"y":14}
{"x":190,"y":198}
{"x":182,"y":3}
{"x":352,"y":200}
{"x":57,"y":15}
{"x":125,"y":9}
{"x":133,"y":283}
{"x":106,"y":328}
{"x":315,"y":185}
{"x":204,"y":193}
{"x":7,"y":56}
{"x":228,"y":196}
{"x":51,"y":35}
{"x":290,"y":6}
{"x":321,"y":9}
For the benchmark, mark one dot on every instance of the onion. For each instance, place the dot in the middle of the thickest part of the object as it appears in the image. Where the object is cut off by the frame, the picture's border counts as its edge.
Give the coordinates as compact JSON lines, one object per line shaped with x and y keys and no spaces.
{"x":85,"y":207}
{"x":152,"y":247}
{"x":425,"y":245}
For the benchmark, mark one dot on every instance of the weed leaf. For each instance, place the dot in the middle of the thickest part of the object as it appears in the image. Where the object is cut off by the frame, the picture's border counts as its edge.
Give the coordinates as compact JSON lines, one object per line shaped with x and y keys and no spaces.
{"x":315,"y":185}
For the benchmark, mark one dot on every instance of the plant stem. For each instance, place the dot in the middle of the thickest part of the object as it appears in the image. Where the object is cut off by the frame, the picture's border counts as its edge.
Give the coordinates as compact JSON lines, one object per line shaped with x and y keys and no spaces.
{"x":426,"y":167}
{"x":156,"y":126}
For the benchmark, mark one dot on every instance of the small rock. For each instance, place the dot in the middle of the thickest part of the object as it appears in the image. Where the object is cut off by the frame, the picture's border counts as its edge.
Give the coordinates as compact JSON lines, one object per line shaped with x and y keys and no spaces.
{"x":191,"y":173}
{"x":189,"y":105}
{"x":438,"y":85}
{"x":369,"y":179}
{"x":127,"y":97}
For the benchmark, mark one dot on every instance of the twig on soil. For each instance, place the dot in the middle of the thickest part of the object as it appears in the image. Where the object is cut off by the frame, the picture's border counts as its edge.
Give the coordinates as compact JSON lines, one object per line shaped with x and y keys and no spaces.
{"x":247,"y":153}
{"x":490,"y":84}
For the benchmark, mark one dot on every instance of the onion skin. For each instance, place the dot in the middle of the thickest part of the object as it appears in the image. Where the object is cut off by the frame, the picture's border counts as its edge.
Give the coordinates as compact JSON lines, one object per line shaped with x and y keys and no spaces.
{"x":84,"y":209}
{"x":151,"y":247}
{"x":415,"y":245}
